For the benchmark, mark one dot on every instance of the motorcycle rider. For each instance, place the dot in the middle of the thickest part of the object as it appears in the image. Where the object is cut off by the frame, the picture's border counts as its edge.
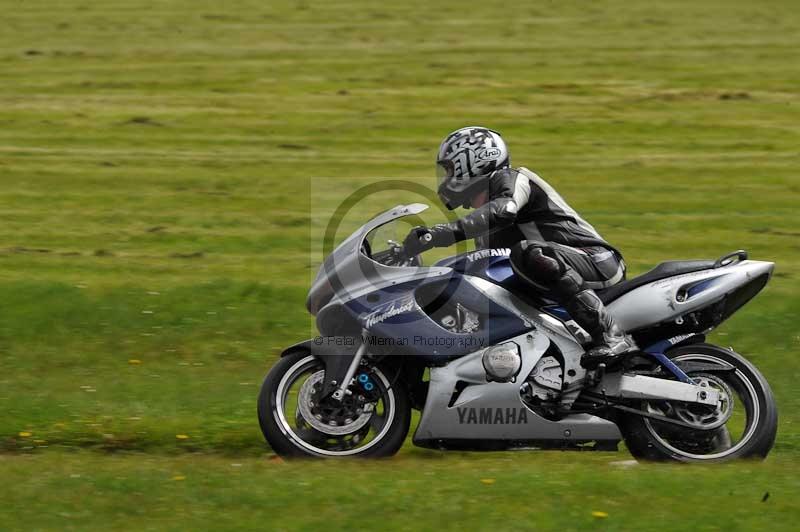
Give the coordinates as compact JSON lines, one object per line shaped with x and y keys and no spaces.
{"x":552,"y":247}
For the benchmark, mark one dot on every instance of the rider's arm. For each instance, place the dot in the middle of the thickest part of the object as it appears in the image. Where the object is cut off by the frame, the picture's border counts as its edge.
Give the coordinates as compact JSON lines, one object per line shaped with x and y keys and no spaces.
{"x":509,"y":191}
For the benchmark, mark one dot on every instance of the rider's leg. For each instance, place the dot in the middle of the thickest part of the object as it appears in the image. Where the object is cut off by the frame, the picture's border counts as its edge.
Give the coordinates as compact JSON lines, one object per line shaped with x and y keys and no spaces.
{"x":542,"y":265}
{"x":608,"y":339}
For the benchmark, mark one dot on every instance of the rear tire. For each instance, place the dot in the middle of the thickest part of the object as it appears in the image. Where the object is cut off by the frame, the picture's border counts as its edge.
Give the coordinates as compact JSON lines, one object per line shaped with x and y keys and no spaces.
{"x":285,"y":439}
{"x":644,"y":442}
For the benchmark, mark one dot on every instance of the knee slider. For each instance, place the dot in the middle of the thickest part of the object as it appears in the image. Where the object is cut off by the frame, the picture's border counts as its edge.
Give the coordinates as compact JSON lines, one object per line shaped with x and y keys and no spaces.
{"x":541,"y":267}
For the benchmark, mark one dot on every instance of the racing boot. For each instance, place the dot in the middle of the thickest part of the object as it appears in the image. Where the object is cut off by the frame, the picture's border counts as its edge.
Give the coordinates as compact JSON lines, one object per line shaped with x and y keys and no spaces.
{"x":608,"y":340}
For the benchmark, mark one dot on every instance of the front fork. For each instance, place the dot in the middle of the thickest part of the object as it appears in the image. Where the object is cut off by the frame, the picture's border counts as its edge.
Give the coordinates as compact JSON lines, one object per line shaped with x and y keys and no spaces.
{"x":341,"y":388}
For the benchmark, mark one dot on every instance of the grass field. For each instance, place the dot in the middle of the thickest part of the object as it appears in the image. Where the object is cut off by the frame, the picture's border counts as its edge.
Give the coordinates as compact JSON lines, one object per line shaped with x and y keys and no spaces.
{"x":167,"y":170}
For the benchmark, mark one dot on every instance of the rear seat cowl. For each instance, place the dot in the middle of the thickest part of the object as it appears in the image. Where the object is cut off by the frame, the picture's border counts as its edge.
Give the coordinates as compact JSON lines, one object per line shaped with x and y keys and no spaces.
{"x":662,"y":271}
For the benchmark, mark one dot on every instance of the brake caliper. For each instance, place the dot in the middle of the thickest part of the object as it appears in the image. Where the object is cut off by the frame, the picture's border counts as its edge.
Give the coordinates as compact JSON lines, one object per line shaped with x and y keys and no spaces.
{"x":367,"y":387}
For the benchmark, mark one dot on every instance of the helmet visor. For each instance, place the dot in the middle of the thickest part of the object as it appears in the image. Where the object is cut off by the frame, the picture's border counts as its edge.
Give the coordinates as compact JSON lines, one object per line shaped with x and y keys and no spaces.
{"x":444,"y":171}
{"x":450,"y":200}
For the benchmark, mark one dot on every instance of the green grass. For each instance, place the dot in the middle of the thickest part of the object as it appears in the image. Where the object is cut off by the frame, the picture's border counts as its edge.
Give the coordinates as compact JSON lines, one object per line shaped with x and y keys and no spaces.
{"x":418,"y":490}
{"x":167,"y":170}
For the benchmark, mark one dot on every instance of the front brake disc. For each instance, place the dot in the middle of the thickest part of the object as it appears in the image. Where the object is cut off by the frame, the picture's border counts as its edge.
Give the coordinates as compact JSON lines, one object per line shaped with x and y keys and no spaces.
{"x":315,"y":414}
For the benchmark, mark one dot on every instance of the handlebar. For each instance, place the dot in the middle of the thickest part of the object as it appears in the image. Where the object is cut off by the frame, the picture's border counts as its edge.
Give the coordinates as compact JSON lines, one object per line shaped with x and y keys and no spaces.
{"x":395,"y":255}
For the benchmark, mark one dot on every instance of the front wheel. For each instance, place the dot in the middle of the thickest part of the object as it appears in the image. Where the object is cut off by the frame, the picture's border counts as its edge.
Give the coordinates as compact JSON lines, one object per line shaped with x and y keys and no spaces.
{"x":372,"y":420}
{"x":742,"y":425}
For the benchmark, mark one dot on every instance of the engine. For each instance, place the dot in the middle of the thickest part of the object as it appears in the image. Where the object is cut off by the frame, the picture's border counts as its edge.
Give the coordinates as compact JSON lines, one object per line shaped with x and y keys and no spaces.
{"x":502,"y":362}
{"x":459,"y":319}
{"x":542,"y":389}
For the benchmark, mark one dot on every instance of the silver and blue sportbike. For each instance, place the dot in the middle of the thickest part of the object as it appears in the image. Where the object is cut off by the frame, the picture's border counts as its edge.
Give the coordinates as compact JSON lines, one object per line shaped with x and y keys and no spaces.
{"x":492,"y":364}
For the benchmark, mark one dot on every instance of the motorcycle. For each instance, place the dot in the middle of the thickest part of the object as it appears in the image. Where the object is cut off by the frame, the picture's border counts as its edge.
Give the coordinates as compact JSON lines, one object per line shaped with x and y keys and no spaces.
{"x":492,"y":364}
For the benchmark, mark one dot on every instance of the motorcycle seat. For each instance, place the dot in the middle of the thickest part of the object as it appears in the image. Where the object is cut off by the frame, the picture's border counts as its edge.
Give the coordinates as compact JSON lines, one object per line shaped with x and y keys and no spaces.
{"x":662,"y":271}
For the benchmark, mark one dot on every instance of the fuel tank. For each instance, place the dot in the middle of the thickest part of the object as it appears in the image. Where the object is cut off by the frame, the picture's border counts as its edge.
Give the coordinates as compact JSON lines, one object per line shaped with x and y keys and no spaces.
{"x":493,"y":265}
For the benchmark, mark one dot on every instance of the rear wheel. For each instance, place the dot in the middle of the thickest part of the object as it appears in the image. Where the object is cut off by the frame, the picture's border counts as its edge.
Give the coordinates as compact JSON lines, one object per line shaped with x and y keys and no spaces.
{"x":371,"y":420}
{"x":743,"y":424}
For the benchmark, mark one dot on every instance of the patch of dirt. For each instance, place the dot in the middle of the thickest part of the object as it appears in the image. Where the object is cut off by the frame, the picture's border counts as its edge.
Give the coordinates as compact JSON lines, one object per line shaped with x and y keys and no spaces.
{"x":294,"y":146}
{"x":22,"y":249}
{"x":143,"y":121}
{"x":688,"y":95}
{"x":558,"y":86}
{"x":734,"y":96}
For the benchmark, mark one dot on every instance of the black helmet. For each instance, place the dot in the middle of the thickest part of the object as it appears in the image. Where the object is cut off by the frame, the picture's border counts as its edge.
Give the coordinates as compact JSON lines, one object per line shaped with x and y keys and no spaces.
{"x":467,"y":157}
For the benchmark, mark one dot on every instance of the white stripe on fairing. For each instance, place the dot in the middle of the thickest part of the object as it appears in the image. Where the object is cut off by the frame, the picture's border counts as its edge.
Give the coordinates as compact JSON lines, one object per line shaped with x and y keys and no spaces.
{"x":556,"y":198}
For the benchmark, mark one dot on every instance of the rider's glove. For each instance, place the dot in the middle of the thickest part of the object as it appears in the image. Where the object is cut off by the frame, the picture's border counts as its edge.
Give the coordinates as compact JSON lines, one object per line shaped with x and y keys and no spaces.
{"x":422,"y":239}
{"x":419,"y":239}
{"x":443,"y":235}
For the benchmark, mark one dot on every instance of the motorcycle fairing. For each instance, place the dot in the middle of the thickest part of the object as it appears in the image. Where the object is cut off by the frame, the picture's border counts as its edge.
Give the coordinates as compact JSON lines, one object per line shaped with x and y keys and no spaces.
{"x":347,"y":273}
{"x":395,"y":320}
{"x":494,"y":411}
{"x":673,"y":298}
{"x":394,"y":323}
{"x":490,"y":264}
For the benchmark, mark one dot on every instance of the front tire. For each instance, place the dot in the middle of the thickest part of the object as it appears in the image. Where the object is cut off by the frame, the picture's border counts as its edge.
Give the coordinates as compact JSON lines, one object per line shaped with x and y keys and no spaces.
{"x":294,"y":426}
{"x":758,"y":415}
